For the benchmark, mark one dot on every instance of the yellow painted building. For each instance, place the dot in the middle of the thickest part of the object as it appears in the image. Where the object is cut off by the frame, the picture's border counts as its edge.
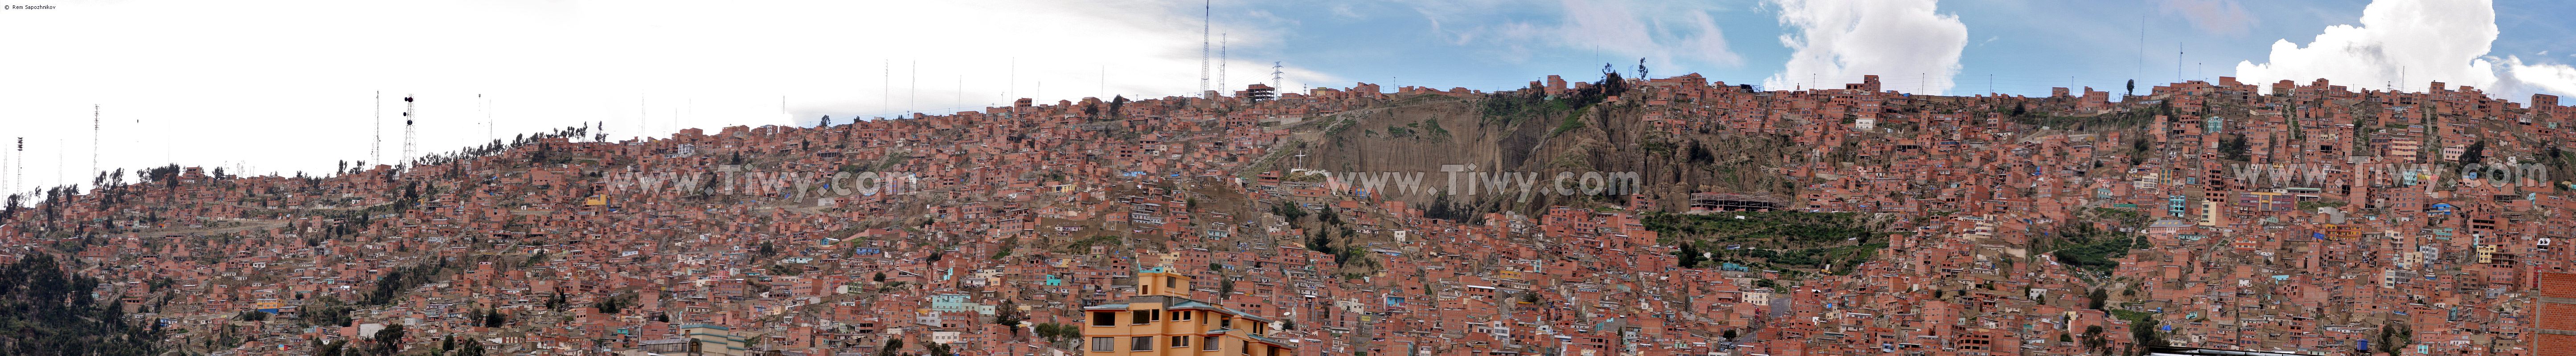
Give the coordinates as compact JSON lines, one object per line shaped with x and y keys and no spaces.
{"x":1162,"y":320}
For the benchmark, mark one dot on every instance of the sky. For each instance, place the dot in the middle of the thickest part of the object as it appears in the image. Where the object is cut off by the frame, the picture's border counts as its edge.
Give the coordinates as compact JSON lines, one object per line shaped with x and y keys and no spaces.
{"x":281,"y":87}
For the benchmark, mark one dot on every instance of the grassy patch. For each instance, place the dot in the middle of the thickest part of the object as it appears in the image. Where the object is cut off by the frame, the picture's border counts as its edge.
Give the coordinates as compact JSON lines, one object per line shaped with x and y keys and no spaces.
{"x":1571,"y":122}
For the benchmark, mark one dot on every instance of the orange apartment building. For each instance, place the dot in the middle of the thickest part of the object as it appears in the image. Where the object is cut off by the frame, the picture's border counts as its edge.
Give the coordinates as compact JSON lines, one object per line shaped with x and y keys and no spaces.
{"x":1162,"y":320}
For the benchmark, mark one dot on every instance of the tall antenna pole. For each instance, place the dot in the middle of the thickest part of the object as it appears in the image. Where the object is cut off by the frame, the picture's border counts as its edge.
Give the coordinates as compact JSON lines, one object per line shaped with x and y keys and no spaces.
{"x":1220,"y":64}
{"x":489,"y":133}
{"x":1275,"y":75}
{"x":1207,"y":9}
{"x":376,"y":151}
{"x":408,"y":144}
{"x":93,"y":138}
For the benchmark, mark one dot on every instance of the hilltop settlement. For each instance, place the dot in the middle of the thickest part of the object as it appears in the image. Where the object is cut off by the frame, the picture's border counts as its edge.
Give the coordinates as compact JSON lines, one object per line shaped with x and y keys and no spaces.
{"x":1618,"y":217}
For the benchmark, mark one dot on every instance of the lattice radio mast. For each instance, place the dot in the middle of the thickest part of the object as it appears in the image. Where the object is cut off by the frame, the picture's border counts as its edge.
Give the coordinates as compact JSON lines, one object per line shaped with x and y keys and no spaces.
{"x":1220,"y":64}
{"x":408,"y":143}
{"x":1208,"y":10}
{"x":93,"y":137}
{"x":1275,"y":73}
{"x":376,"y":151}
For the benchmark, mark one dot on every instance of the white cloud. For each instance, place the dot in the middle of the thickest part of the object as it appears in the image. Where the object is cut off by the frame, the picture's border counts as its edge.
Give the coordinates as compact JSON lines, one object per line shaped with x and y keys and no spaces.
{"x":285,"y":85}
{"x":1836,"y":42}
{"x":2407,"y":44}
{"x":2404,"y":43}
{"x":2559,"y":79}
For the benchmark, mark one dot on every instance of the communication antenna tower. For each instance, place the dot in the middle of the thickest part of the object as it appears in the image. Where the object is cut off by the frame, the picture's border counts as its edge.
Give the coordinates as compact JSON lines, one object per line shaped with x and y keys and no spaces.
{"x":1274,"y":75}
{"x":1208,"y":11}
{"x":1220,"y":63}
{"x":93,"y":137}
{"x":408,"y":144}
{"x":376,"y":151}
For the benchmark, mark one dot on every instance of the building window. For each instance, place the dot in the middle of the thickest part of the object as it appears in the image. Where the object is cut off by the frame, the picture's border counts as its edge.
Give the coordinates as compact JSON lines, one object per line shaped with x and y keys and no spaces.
{"x":1103,"y":344}
{"x":1141,"y":343}
{"x":1104,"y":319}
{"x":1180,"y":341}
{"x":1208,"y":342}
{"x":1224,"y":323}
{"x":1181,"y":315}
{"x":1141,"y":317}
{"x":1247,"y":347}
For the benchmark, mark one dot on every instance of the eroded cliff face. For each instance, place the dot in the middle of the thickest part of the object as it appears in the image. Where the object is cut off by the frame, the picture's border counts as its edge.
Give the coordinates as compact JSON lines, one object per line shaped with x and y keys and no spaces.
{"x":1526,"y":143}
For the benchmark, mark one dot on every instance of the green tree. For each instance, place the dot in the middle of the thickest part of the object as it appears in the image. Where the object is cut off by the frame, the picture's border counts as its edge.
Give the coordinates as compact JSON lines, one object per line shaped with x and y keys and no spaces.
{"x":467,"y":347}
{"x":2144,"y":332}
{"x":1009,"y":314}
{"x":388,"y":341}
{"x":1224,"y":287}
{"x":2236,"y":149}
{"x":332,"y":349}
{"x":2476,"y":153}
{"x":48,"y":311}
{"x":937,"y":349}
{"x":892,"y":345}
{"x":1689,"y":255}
{"x":2393,"y":338}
